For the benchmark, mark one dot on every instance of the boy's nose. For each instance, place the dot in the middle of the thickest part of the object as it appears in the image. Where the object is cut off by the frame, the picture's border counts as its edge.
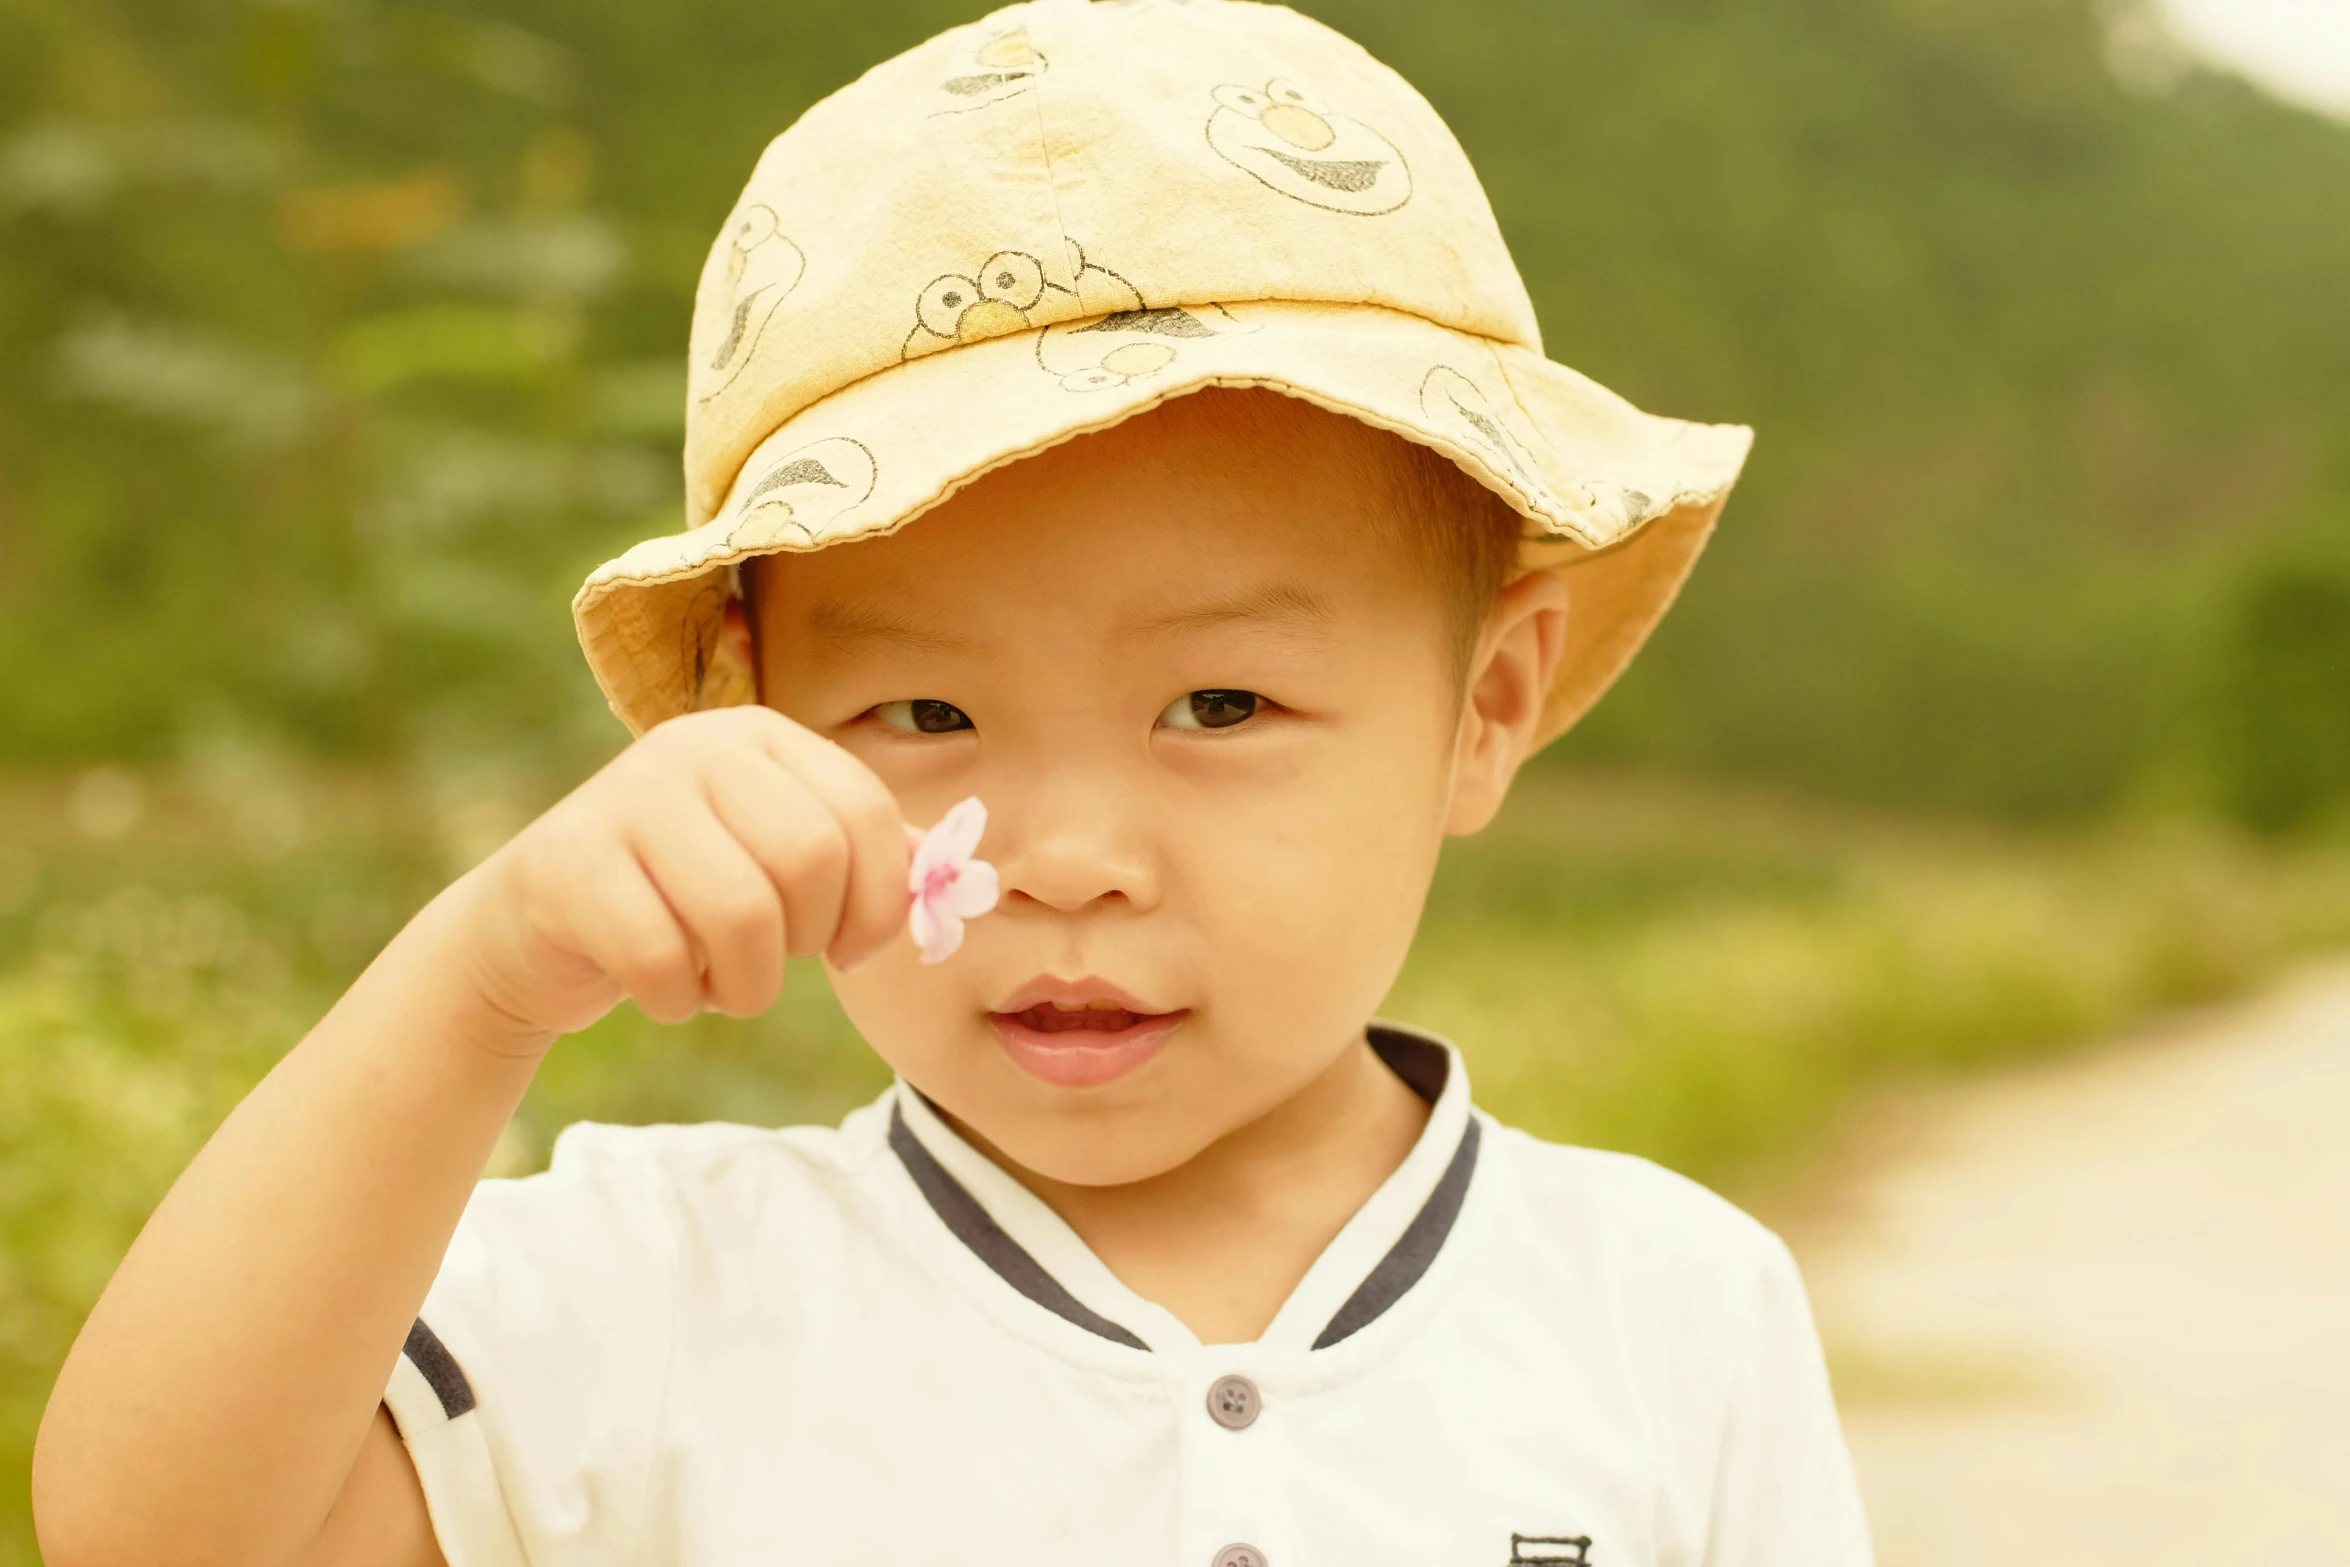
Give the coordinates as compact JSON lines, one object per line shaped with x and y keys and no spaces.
{"x":1066,"y":854}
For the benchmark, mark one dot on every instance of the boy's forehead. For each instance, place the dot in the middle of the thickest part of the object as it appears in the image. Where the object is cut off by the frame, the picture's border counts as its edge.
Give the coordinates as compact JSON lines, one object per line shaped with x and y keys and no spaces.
{"x":1119,"y":603}
{"x":1181,"y":520}
{"x":845,"y":615}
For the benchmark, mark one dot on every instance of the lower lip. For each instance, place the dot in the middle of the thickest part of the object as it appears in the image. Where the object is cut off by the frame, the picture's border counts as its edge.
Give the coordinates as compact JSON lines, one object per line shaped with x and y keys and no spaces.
{"x":1083,"y":1058}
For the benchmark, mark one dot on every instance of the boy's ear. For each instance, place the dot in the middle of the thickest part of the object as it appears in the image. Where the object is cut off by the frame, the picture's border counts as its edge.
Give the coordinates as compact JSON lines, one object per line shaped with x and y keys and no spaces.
{"x":1518,"y":652}
{"x":731,"y":678}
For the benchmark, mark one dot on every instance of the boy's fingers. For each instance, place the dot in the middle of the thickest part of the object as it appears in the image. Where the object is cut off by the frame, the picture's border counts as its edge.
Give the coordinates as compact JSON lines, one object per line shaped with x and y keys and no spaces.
{"x":626,"y":928}
{"x":874,"y":909}
{"x":794,"y":837}
{"x":720,"y":895}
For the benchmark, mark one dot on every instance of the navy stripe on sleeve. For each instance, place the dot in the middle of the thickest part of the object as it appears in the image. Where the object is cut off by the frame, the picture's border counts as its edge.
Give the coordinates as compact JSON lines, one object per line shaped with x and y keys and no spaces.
{"x":429,"y":1355}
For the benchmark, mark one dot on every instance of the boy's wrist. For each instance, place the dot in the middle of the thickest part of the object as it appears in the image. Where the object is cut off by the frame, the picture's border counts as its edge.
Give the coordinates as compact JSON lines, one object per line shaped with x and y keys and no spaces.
{"x":439,"y":956}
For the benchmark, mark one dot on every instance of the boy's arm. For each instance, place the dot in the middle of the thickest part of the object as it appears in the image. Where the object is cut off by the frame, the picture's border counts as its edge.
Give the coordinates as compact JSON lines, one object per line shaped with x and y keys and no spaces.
{"x":219,"y":1392}
{"x":379,"y":1520}
{"x":226,"y":1390}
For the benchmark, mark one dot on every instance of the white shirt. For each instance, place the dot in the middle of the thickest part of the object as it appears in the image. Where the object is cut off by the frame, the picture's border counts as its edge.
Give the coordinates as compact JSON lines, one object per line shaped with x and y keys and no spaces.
{"x":717,"y":1346}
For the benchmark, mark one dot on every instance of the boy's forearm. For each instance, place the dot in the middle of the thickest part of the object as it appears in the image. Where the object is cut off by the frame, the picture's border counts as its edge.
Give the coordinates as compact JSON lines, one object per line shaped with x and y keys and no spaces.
{"x":213,"y":1404}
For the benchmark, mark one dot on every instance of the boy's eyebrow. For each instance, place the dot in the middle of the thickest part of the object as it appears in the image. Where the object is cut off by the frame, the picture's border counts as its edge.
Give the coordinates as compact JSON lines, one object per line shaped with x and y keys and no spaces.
{"x":835,"y":622}
{"x":1289,"y":605}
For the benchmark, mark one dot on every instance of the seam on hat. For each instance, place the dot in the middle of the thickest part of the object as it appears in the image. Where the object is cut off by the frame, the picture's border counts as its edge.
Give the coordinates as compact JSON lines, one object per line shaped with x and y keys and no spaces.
{"x":1052,"y":181}
{"x":1665,"y":507}
{"x":1502,"y":369}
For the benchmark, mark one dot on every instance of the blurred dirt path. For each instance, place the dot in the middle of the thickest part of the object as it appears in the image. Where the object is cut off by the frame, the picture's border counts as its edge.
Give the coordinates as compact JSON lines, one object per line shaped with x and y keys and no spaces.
{"x":2099,"y":1313}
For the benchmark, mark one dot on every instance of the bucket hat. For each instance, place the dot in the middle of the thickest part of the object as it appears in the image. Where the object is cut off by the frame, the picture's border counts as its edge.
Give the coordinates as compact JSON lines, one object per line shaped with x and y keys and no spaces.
{"x":1057,"y":217}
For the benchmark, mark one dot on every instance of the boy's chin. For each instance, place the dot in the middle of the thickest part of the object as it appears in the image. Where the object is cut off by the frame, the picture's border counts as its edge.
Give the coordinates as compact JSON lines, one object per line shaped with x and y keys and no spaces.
{"x":1095,"y":1157}
{"x":1078,"y":1145}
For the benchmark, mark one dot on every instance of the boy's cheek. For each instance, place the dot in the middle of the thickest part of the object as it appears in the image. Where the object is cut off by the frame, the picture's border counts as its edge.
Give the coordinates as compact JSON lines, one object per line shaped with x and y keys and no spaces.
{"x":1305,"y":930}
{"x":1309,"y":953}
{"x":1355,"y":842}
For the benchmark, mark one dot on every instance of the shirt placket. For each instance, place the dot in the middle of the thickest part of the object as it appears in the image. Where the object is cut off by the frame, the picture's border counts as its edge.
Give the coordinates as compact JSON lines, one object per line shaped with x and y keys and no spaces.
{"x":1236,"y":1462}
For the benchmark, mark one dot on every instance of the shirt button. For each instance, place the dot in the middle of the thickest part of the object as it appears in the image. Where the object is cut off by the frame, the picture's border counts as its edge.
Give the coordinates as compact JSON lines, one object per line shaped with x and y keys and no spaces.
{"x":1233,"y":1403}
{"x":1240,"y":1556}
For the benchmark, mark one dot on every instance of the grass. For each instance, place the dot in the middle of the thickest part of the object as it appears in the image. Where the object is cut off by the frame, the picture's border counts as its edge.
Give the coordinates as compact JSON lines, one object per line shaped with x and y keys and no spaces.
{"x":1705,"y":978}
{"x":1698,"y":976}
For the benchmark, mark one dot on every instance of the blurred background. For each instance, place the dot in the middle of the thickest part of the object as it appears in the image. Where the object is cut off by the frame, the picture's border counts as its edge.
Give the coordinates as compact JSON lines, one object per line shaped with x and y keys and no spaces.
{"x":2009,"y":714}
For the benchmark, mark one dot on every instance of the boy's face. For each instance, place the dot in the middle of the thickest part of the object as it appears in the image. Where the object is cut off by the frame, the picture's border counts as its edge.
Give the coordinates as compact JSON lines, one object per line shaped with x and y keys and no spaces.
{"x":1215,"y":714}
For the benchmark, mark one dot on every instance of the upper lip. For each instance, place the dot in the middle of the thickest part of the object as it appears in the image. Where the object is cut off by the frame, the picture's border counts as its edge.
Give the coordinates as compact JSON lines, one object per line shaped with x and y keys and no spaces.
{"x":1049,"y":990}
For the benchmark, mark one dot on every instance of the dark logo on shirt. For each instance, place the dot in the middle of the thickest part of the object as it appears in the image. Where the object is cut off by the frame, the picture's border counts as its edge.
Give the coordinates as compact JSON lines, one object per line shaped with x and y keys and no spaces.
{"x":1550,"y":1550}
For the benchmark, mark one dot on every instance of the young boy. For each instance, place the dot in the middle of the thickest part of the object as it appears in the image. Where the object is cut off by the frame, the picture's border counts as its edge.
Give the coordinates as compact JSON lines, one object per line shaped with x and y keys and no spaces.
{"x":1157,"y":1251}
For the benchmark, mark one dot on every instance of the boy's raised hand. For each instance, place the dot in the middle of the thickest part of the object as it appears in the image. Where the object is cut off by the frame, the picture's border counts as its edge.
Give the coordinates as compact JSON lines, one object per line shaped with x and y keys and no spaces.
{"x":222,"y":1402}
{"x":682,"y":874}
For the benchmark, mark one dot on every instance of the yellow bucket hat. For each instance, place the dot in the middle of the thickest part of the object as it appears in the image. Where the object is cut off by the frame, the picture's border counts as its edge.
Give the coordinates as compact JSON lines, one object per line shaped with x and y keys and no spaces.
{"x":1050,"y":220}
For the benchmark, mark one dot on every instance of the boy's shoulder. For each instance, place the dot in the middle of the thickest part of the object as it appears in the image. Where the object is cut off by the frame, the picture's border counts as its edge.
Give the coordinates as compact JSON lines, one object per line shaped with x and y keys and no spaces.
{"x":1630,"y":1212}
{"x":697,"y":1177}
{"x":698,"y":1153}
{"x":701,"y":1150}
{"x":1673,"y":1285}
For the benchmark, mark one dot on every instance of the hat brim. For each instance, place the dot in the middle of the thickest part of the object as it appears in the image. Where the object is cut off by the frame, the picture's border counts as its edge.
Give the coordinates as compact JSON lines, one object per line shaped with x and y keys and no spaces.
{"x":1620,"y":501}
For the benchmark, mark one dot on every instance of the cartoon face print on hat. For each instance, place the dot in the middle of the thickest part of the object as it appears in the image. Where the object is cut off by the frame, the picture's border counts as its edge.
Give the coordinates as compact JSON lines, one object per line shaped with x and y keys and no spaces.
{"x":1292,"y":144}
{"x":797,"y":495}
{"x":1127,"y":345}
{"x":970,"y":308}
{"x":1004,"y":65}
{"x":1457,"y":407}
{"x":753,"y":267}
{"x":1123,"y":339}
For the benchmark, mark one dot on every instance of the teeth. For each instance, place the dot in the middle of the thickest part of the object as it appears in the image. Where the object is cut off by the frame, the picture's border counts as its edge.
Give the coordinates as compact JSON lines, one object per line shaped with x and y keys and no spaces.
{"x":1086,"y":1006}
{"x":1054,"y":1019}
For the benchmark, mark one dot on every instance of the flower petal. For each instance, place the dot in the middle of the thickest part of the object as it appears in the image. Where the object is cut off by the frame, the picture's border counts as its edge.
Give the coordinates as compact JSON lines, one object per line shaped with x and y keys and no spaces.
{"x":974,"y":892}
{"x":945,"y":936}
{"x":922,"y":923}
{"x":958,"y":832}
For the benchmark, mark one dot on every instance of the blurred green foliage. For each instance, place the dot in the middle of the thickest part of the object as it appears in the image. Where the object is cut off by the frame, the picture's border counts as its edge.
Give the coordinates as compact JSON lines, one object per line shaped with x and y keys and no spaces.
{"x":2283,"y":703}
{"x":338,"y":337}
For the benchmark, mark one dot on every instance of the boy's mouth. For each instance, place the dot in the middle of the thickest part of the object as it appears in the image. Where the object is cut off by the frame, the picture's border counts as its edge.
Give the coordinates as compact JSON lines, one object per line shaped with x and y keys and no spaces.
{"x":1080,"y":1034}
{"x":1101,"y":1017}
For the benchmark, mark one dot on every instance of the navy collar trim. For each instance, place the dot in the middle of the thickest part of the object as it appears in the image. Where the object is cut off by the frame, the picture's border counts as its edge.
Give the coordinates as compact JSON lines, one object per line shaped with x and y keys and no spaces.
{"x":961,"y":1213}
{"x":1413,"y":1253}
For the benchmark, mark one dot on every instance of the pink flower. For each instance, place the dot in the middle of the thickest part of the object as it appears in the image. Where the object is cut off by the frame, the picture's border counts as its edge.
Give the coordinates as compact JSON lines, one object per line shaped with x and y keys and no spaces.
{"x":949,"y":886}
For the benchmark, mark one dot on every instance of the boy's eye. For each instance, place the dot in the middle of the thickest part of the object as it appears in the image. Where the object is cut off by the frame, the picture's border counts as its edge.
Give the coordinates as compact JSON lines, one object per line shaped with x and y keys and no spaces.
{"x":923,"y":716}
{"x":1210,"y":709}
